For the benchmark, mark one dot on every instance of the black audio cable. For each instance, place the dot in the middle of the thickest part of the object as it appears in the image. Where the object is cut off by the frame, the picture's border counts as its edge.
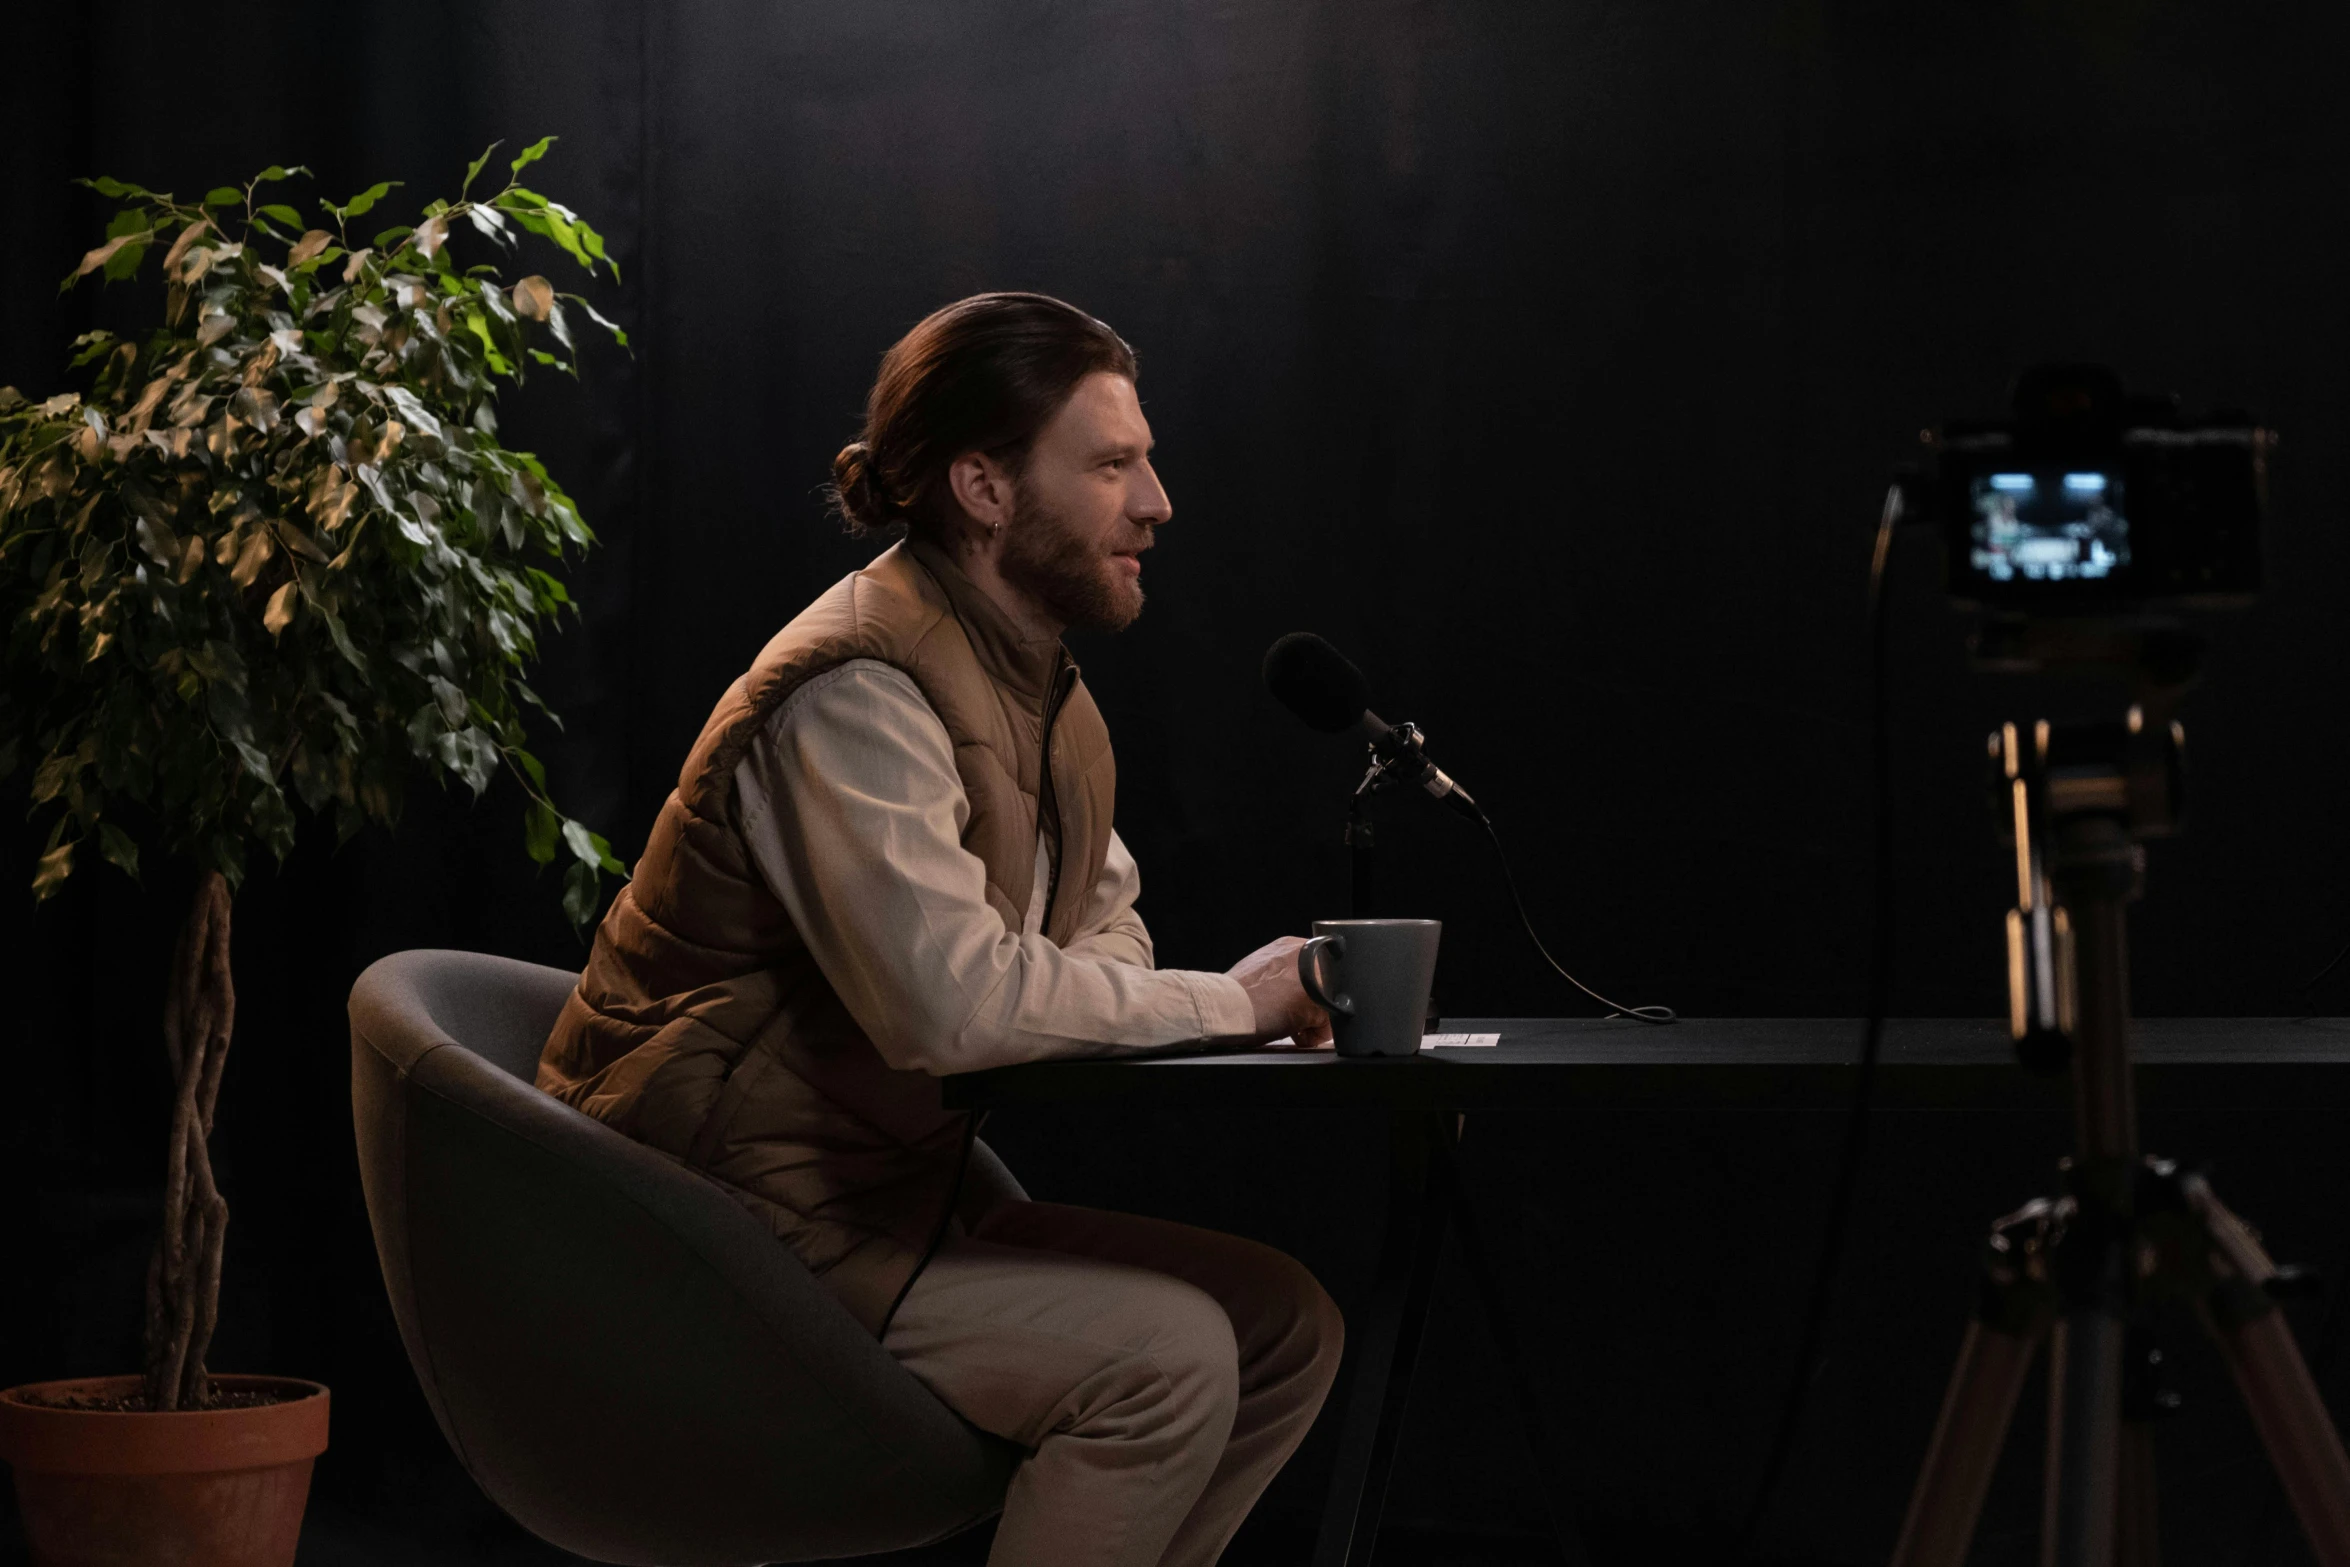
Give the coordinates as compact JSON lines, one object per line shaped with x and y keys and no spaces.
{"x":2309,"y":985}
{"x":1880,"y":989}
{"x":1526,"y":921}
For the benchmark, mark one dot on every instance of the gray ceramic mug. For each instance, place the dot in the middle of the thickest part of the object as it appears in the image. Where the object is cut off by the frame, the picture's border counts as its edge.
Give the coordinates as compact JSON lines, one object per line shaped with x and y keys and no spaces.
{"x":1372,"y":976}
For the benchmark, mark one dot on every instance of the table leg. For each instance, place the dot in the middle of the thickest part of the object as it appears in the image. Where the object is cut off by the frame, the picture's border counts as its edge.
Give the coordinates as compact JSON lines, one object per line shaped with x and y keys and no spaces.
{"x":1551,"y":1475}
{"x":1383,"y":1342}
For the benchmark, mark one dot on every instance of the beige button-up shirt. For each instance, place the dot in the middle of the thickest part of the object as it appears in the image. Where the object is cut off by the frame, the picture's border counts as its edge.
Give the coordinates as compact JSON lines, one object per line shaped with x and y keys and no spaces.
{"x":854,"y":815}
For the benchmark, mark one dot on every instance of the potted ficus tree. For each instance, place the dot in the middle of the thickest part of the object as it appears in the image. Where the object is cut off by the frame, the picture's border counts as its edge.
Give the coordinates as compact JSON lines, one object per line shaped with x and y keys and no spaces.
{"x":272,"y":559}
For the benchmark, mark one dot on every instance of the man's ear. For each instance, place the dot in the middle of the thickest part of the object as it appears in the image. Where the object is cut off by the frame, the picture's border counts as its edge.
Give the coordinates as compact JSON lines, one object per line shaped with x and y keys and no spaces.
{"x":982,"y":487}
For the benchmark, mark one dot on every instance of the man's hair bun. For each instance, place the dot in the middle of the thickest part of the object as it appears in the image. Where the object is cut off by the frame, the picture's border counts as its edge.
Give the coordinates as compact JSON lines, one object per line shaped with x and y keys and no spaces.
{"x":856,"y":490}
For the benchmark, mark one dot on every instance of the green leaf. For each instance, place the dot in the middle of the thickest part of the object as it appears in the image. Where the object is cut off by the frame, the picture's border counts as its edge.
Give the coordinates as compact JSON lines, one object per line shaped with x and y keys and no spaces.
{"x":119,"y":851}
{"x":522,"y":689}
{"x":223,"y":196}
{"x":531,"y":154}
{"x":160,"y":543}
{"x":582,"y":892}
{"x":475,"y":168}
{"x":598,"y":318}
{"x":593,"y":241}
{"x":357,"y":206}
{"x":541,"y":826}
{"x":451,"y":699}
{"x":283,"y":213}
{"x":275,"y":172}
{"x":57,"y":864}
{"x":590,"y":848}
{"x":125,"y":261}
{"x":480,"y":328}
{"x":342,"y":640}
{"x":541,"y":216}
{"x":471,"y":755}
{"x":107,"y":185}
{"x":51,"y":777}
{"x":490,"y":225}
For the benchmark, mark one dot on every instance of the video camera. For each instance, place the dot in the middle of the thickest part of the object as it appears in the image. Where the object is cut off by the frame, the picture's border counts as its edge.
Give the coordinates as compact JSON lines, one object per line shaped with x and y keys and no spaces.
{"x":2091,"y":501}
{"x":2077,"y":527}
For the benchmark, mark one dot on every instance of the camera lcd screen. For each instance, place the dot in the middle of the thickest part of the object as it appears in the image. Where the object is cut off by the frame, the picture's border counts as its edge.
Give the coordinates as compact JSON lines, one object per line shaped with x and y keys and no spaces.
{"x":2048,"y":526}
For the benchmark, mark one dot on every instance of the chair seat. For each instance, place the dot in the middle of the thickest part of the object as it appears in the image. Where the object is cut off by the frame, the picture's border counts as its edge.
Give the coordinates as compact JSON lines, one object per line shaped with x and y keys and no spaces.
{"x":621,"y":1356}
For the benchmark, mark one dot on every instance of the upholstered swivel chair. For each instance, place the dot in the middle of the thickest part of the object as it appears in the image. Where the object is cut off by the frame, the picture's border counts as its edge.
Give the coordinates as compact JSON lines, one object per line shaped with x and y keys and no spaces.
{"x":622,"y":1357}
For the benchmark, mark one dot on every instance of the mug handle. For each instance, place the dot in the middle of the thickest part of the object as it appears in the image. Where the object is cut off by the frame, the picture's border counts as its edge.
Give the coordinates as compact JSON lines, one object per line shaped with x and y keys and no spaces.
{"x":1309,"y":964}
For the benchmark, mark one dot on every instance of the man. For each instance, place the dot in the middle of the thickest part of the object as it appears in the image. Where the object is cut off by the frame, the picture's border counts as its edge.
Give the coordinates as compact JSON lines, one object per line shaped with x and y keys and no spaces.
{"x":890,"y":856}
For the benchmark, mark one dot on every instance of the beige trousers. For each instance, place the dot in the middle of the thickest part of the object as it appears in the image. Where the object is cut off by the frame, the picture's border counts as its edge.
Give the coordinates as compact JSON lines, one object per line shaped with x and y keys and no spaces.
{"x":1159,"y":1375}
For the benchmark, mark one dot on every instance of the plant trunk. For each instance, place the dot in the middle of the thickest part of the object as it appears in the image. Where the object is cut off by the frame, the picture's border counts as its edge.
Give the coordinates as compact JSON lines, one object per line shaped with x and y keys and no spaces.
{"x":183,"y":1280}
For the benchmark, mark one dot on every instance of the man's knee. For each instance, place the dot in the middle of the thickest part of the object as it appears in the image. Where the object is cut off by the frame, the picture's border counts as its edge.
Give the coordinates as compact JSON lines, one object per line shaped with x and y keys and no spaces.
{"x":1322,"y":1322}
{"x":1292,"y":1321}
{"x":1193,"y":1359}
{"x":1320,"y":1329}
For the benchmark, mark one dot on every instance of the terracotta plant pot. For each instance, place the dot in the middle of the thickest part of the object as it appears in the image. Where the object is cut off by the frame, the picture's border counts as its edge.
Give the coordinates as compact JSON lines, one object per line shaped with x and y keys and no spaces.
{"x":202,"y":1488}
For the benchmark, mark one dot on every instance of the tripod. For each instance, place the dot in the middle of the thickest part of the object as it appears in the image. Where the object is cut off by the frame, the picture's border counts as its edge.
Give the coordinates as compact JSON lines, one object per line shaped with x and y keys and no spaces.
{"x":2078,"y":1270}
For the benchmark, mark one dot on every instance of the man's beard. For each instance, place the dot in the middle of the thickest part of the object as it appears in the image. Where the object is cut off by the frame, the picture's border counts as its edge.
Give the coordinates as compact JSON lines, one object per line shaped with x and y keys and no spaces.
{"x":1069,"y":573}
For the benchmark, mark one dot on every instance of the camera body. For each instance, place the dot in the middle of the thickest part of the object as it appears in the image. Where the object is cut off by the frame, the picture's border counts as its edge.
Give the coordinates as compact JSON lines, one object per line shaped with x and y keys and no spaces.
{"x":2091,"y":501}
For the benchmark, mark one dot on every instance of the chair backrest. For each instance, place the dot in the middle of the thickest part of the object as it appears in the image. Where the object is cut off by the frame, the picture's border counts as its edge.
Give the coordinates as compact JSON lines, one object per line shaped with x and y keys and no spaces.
{"x":621,"y":1355}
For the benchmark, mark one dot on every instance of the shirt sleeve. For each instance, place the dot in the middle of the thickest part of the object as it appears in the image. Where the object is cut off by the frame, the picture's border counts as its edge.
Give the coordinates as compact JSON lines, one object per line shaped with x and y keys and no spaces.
{"x":854,"y":815}
{"x":1111,"y":928}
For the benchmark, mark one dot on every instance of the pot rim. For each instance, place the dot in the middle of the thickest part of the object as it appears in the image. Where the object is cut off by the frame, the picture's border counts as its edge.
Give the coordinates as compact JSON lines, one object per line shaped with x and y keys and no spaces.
{"x":41,"y":1439}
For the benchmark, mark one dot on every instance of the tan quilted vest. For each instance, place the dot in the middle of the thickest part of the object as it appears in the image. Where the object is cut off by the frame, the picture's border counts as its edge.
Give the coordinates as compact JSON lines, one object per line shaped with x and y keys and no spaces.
{"x":703,"y":1027}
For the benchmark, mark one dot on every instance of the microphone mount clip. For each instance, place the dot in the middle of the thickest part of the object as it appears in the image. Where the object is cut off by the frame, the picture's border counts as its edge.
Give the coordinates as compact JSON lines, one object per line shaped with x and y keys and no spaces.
{"x":1396,"y":758}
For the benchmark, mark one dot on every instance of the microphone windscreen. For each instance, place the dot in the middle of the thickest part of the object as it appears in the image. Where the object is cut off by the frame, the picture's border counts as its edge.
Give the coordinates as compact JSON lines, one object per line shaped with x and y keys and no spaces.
{"x":1316,"y":682}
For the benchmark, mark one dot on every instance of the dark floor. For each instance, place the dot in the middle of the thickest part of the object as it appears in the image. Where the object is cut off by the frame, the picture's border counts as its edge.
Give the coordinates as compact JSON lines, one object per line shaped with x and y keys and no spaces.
{"x":333,"y":1538}
{"x":329,"y":1540}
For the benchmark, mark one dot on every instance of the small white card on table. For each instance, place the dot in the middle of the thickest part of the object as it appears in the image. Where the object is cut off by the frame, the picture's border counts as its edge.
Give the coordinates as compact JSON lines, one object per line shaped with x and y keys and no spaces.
{"x":1457,"y":1041}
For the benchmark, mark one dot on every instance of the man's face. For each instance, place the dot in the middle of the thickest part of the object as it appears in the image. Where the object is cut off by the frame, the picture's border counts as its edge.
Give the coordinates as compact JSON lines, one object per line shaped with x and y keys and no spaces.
{"x":1085,"y":508}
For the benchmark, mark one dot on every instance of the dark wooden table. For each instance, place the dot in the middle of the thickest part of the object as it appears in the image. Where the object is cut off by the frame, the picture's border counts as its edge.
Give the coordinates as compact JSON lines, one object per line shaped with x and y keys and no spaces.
{"x":1540,"y":1063}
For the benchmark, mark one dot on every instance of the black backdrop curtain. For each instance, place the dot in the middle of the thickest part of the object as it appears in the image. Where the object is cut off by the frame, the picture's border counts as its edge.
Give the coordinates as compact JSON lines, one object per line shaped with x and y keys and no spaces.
{"x":1550,"y":358}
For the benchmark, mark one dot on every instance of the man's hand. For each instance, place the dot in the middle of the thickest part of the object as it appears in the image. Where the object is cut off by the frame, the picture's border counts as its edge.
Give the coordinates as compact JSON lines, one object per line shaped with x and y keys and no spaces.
{"x":1269,"y":975}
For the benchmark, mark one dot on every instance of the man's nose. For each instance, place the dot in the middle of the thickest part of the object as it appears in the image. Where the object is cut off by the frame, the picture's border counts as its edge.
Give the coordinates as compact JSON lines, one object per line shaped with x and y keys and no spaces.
{"x":1149,"y":504}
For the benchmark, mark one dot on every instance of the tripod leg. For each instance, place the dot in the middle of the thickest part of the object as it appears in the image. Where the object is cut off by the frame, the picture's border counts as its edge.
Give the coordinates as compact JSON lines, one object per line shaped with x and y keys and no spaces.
{"x":2301,"y":1441}
{"x":2145,"y":1399}
{"x":2277,"y":1389}
{"x":2136,"y":1542}
{"x":1965,"y":1449}
{"x":2084,"y":1440}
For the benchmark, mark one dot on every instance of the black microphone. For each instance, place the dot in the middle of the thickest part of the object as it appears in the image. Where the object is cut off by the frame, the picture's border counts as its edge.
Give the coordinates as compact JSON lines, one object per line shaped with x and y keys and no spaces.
{"x":1325,"y":690}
